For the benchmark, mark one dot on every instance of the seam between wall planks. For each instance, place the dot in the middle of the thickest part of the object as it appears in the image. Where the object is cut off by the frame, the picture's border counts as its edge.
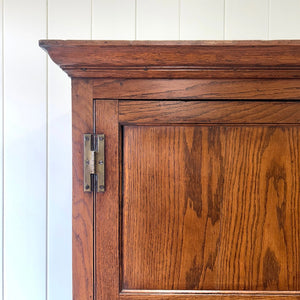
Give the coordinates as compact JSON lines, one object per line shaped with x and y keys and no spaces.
{"x":91,"y":23}
{"x":269,"y":12}
{"x":47,"y":183}
{"x":179,"y":18}
{"x":135,"y":21}
{"x":2,"y":149}
{"x":47,"y":160}
{"x":224,"y":17}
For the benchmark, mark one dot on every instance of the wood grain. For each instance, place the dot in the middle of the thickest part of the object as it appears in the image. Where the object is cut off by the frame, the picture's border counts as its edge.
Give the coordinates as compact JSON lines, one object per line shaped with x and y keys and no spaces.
{"x":260,"y":222}
{"x":207,"y":204}
{"x":184,"y":72}
{"x":211,"y":208}
{"x":170,"y":231}
{"x":206,"y":295}
{"x":177,"y":59}
{"x":191,"y":89}
{"x":82,"y":225}
{"x":235,"y":112}
{"x":107,"y":266}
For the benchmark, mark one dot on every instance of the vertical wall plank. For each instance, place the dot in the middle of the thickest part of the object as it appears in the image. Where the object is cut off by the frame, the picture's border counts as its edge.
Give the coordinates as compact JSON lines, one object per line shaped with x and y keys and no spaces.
{"x":201,"y":19}
{"x":157,"y":20}
{"x":284,"y":19}
{"x":24,"y":150}
{"x":67,"y":19}
{"x":113,"y":19}
{"x":247,"y":19}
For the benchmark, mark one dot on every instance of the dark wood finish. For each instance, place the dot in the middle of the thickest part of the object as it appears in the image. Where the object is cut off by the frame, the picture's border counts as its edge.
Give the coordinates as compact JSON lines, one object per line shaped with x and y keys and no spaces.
{"x":107,"y":206}
{"x":171,"y":237}
{"x":82,"y":225}
{"x":235,"y":112}
{"x":148,"y":236}
{"x":192,"y":89}
{"x":260,"y":214}
{"x":206,"y":295}
{"x":107,"y":59}
{"x":211,"y":208}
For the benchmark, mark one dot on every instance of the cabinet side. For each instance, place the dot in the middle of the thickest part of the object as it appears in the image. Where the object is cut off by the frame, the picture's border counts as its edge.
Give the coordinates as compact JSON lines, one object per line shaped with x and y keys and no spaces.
{"x":82,"y":223}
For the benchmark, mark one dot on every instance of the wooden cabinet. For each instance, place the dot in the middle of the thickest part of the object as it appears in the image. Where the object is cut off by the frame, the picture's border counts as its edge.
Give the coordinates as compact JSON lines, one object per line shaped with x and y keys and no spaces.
{"x":202,"y":169}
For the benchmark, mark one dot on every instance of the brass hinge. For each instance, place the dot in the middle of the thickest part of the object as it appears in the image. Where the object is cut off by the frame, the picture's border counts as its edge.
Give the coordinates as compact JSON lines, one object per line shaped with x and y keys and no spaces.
{"x":94,"y":162}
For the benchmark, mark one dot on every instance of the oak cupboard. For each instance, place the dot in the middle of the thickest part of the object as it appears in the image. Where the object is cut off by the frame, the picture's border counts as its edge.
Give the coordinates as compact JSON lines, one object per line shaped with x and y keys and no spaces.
{"x":194,"y":151}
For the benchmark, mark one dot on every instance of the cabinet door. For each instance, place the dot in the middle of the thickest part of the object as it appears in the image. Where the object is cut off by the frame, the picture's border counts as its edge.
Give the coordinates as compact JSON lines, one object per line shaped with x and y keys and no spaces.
{"x":201,"y":201}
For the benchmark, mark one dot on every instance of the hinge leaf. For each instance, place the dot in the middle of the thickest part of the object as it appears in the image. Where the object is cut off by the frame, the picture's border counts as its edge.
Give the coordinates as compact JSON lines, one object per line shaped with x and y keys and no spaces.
{"x":94,"y":163}
{"x":100,"y":163}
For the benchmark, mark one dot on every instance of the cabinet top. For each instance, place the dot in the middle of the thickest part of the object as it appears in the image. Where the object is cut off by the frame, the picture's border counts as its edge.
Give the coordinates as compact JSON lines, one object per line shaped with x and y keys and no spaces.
{"x":176,"y":59}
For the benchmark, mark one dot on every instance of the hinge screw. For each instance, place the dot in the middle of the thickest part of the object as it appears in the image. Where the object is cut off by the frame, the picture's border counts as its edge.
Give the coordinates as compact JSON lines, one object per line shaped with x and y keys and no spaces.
{"x":101,"y":138}
{"x":87,"y":187}
{"x":87,"y":162}
{"x":87,"y":138}
{"x":101,"y":162}
{"x":101,"y":187}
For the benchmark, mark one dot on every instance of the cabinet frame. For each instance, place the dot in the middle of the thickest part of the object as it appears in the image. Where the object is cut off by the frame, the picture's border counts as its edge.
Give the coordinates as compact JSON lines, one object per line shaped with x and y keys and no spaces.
{"x":123,"y":70}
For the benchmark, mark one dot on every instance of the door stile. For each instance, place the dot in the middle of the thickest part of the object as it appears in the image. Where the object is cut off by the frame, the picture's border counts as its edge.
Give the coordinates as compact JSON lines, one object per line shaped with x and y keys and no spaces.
{"x":107,"y":265}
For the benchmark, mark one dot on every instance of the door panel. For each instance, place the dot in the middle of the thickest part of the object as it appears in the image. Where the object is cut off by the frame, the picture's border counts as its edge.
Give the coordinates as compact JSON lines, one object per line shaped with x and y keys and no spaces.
{"x":106,"y":207}
{"x":208,"y":207}
{"x":260,"y":216}
{"x":211,"y":208}
{"x":170,"y":229}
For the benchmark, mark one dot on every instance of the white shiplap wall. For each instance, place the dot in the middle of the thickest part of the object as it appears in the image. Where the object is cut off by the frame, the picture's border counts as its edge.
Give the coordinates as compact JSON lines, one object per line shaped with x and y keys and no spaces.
{"x":35,"y":110}
{"x":24,"y":92}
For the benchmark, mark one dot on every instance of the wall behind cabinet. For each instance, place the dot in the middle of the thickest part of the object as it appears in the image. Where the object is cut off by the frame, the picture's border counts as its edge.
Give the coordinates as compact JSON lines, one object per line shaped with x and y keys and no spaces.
{"x":35,"y":111}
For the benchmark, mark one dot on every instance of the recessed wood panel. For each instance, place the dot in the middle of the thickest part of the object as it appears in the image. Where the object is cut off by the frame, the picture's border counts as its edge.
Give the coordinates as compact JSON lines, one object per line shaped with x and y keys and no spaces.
{"x":211,"y":207}
{"x":171,"y":228}
{"x":260,"y":235}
